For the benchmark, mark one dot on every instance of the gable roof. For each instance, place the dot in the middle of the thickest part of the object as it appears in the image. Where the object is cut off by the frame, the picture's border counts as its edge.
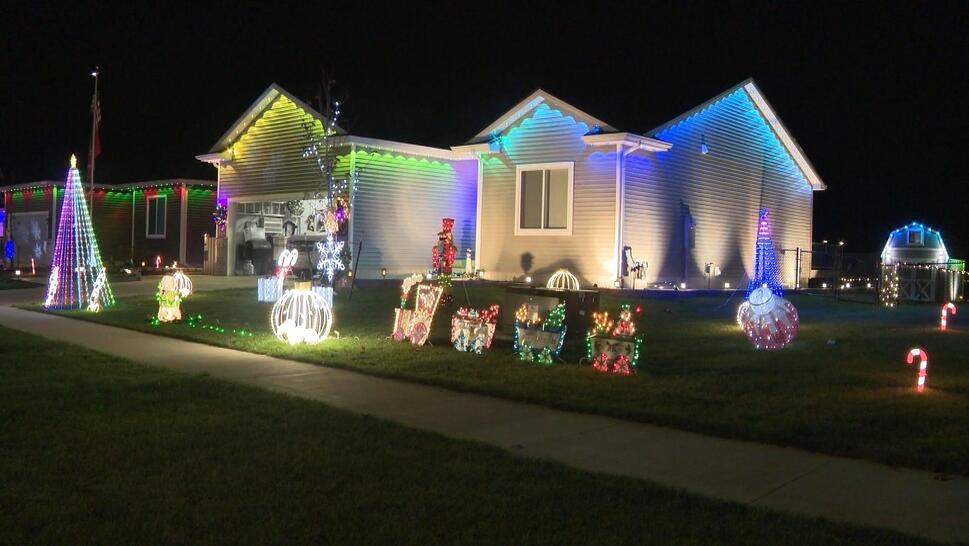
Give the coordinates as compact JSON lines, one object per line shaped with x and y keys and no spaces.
{"x":773,"y":120}
{"x":218,"y":153}
{"x":256,"y":109}
{"x":528,"y":104}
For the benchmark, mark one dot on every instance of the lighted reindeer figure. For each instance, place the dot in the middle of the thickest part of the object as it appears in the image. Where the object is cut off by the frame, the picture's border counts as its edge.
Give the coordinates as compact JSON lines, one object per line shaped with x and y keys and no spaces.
{"x":947,"y":309}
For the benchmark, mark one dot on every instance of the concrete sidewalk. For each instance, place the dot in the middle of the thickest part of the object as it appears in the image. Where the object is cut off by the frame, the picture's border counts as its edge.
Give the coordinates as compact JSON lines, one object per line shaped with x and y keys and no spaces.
{"x":910,"y":501}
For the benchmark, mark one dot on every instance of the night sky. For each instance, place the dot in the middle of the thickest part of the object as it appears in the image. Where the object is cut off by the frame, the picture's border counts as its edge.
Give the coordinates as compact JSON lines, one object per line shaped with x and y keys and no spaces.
{"x":876,"y":95}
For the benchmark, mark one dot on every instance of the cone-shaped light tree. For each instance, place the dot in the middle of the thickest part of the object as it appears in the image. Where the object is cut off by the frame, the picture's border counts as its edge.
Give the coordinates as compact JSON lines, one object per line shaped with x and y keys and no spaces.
{"x":78,"y":278}
{"x":765,"y":261}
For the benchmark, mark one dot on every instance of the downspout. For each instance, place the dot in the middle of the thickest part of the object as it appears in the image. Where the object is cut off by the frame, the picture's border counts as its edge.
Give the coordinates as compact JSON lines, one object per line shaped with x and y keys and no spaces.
{"x":621,"y":154}
{"x":479,"y":204}
{"x":133,"y":190}
{"x":353,"y":166}
{"x":183,"y":225}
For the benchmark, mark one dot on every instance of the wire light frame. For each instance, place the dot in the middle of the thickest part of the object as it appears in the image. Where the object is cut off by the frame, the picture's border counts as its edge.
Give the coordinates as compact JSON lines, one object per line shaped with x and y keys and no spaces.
{"x":563,"y":280}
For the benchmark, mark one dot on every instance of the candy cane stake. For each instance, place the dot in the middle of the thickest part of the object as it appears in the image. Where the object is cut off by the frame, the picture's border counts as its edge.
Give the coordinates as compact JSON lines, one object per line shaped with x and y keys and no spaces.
{"x":946,"y":310}
{"x":923,"y":365}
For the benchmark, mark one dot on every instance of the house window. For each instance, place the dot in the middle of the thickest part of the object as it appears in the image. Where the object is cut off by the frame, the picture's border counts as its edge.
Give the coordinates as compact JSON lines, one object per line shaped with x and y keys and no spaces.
{"x":915,"y":237}
{"x":157,"y":206}
{"x":544,"y":199}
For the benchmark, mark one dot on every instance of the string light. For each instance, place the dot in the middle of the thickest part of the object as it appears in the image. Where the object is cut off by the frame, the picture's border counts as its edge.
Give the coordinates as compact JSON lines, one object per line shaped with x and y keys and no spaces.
{"x":76,"y":266}
{"x":765,"y":260}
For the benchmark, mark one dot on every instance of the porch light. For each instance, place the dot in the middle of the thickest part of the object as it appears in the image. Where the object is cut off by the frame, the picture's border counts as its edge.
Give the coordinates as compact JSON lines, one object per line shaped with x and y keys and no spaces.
{"x":528,"y":279}
{"x":383,"y":272}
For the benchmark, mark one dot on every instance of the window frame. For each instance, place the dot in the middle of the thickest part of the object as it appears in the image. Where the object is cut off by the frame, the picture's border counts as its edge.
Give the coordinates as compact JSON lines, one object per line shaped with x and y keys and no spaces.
{"x":519,"y":170}
{"x":164,"y":232}
{"x":921,"y":239}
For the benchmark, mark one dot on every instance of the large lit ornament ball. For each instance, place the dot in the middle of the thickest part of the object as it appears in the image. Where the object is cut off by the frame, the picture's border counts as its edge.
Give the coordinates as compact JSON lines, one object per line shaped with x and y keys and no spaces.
{"x":301,"y":316}
{"x":769,"y":321}
{"x":563,"y":280}
{"x":183,"y":283}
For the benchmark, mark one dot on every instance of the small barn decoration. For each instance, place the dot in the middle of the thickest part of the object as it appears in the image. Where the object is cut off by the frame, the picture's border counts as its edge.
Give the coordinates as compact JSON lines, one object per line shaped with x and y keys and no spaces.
{"x":917,"y":267}
{"x":472,"y":331}
{"x":301,"y":316}
{"x":169,"y":300}
{"x":769,"y":321}
{"x":613,"y":346}
{"x":539,"y":341}
{"x":563,"y":280}
{"x":415,"y":324}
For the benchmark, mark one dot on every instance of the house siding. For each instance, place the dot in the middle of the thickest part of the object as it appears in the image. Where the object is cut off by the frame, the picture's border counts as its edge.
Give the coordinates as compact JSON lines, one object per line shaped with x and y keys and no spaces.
{"x":399,"y":199}
{"x":398,"y":206}
{"x":547,"y":135}
{"x":746,"y":168}
{"x":112,"y":225}
{"x":201,"y":203}
{"x":146,"y":250}
{"x":268,"y":157}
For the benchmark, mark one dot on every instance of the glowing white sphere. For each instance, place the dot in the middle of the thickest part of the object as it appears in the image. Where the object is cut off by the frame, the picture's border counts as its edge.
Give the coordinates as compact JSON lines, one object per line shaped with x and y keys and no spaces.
{"x":183,"y":283}
{"x":301,"y":316}
{"x":563,"y":280}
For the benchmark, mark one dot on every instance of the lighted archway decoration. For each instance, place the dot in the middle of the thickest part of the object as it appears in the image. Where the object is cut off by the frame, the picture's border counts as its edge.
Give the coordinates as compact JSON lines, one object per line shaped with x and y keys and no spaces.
{"x":563,"y":280}
{"x":301,"y":316}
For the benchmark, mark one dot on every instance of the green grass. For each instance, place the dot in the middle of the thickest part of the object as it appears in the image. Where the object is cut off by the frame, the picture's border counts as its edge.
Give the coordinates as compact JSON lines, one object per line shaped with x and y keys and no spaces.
{"x":96,"y":450}
{"x":698,"y":372}
{"x":13,"y":284}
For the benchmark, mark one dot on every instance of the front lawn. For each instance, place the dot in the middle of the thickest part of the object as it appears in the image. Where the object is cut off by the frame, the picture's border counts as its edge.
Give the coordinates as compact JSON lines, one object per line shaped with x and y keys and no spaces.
{"x":96,"y":450}
{"x":842,"y":387}
{"x":13,"y":284}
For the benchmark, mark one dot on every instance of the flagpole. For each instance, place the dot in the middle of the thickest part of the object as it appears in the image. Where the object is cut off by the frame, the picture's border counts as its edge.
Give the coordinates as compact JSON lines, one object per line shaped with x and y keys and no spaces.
{"x":94,"y":128}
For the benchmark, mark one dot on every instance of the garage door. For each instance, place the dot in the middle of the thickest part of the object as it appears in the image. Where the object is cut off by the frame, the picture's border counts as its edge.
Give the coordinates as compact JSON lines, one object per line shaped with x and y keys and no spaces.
{"x":31,"y":236}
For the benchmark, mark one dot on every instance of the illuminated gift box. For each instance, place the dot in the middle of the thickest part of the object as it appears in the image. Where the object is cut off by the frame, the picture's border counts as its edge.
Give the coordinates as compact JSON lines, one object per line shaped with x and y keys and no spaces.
{"x":473,"y":331}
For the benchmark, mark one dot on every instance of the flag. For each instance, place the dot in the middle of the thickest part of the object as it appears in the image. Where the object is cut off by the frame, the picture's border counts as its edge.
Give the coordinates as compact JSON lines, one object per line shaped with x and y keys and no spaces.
{"x":95,"y":134}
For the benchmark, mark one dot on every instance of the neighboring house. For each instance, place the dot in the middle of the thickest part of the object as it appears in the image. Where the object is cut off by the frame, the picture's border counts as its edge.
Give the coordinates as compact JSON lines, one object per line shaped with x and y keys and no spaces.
{"x":402,"y":192}
{"x":560,"y":188}
{"x":133,"y":223}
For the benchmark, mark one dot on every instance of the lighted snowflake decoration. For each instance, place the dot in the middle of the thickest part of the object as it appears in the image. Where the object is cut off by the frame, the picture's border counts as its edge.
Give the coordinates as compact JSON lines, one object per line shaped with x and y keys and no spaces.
{"x":330,"y":259}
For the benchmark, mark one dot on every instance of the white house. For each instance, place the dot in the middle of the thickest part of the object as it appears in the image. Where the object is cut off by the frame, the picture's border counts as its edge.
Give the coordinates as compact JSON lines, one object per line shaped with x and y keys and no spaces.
{"x":548,"y":186}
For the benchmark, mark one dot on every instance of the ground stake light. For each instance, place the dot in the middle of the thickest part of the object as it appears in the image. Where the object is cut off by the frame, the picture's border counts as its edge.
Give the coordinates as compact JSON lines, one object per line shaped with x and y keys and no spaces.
{"x":923,"y":357}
